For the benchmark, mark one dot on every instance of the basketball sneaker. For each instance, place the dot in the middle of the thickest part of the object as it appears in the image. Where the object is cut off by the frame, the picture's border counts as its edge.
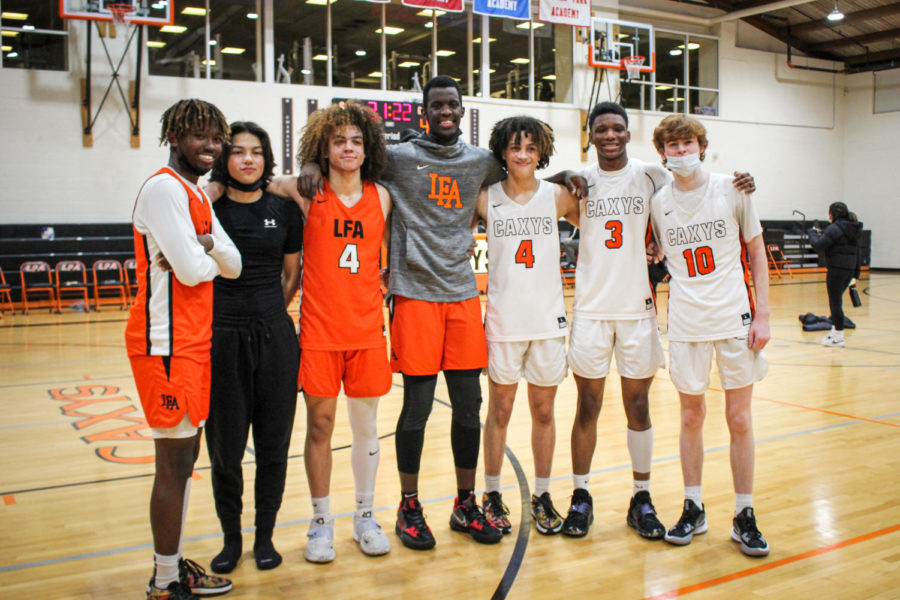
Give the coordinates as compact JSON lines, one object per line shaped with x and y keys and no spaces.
{"x":642,"y":517}
{"x":175,"y":591}
{"x":546,"y":519}
{"x":368,"y":534}
{"x":411,"y":526}
{"x":832,"y":339}
{"x":468,"y":517}
{"x":745,"y":532}
{"x":581,"y":514}
{"x":691,"y":523}
{"x":496,"y":512}
{"x":320,"y":541}
{"x":194,"y":577}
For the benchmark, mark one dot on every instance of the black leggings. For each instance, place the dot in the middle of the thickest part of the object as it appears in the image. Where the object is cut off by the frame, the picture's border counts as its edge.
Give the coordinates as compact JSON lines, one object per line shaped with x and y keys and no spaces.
{"x":836,"y":281}
{"x":418,"y":397}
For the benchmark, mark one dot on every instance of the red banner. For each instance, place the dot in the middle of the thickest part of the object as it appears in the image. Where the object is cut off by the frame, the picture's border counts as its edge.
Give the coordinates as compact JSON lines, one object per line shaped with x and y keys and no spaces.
{"x":445,"y":5}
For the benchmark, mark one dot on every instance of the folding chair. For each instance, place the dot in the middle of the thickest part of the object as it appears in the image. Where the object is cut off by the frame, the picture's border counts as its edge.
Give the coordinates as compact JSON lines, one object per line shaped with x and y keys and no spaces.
{"x":568,"y":277}
{"x":5,"y":292}
{"x":71,"y":277}
{"x":777,"y":259}
{"x":36,"y":276}
{"x":131,"y":278}
{"x":108,"y":275}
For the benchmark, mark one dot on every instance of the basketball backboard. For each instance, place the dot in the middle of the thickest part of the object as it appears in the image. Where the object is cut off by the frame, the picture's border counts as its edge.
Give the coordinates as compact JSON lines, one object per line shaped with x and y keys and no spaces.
{"x":612,"y":41}
{"x":146,"y":12}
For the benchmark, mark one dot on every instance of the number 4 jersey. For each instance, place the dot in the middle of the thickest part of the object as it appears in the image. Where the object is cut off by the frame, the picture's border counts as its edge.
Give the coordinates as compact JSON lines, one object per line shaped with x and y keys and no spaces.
{"x":703,"y":234}
{"x":341,"y":302}
{"x":611,"y":280}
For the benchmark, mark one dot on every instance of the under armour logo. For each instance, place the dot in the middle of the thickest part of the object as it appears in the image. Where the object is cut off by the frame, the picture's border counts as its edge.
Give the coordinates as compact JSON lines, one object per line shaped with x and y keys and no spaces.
{"x":269,"y":223}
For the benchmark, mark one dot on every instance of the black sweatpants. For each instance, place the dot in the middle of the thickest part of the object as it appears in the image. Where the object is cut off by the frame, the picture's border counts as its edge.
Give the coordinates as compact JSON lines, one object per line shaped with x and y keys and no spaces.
{"x":836,"y":282}
{"x":254,"y":382}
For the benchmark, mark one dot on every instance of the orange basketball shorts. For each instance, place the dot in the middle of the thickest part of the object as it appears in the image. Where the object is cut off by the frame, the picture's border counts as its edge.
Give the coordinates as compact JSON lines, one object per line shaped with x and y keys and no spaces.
{"x":170,"y":385}
{"x":428,"y":337}
{"x":365,"y":373}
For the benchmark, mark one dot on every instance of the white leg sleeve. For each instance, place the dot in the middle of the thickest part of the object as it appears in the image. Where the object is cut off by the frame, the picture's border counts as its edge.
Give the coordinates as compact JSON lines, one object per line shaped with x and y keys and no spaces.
{"x":363,"y":413}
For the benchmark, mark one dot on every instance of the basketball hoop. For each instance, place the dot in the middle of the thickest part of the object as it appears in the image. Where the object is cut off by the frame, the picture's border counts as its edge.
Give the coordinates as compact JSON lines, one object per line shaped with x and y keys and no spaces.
{"x":632,"y":66}
{"x":120,"y":11}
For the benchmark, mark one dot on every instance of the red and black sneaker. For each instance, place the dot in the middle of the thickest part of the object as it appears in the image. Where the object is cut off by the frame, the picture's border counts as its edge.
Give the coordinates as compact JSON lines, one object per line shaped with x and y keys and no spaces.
{"x":469,"y":518}
{"x":411,"y":526}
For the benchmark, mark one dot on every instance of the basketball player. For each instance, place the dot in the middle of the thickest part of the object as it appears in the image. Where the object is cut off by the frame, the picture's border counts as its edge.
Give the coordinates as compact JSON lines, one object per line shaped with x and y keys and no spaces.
{"x":436,"y":318}
{"x":525,"y":320}
{"x":706,"y":228}
{"x":615,"y":313}
{"x":180,"y":248}
{"x":342,"y":332}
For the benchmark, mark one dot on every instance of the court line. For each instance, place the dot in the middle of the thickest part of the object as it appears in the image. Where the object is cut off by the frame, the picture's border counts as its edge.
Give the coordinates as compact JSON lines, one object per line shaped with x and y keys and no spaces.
{"x":704,"y":585}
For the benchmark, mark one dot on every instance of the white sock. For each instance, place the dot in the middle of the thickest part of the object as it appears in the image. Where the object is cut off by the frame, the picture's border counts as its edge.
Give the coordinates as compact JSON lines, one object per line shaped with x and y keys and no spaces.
{"x":581,"y":481}
{"x":693,"y":493}
{"x":640,"y":485}
{"x":742,"y":501}
{"x":321,"y":507}
{"x":364,"y":451}
{"x":838,"y":335}
{"x":187,"y":494}
{"x":166,"y":569}
{"x":640,"y":447}
{"x":364,"y":502}
{"x":541,"y":485}
{"x":491,"y":483}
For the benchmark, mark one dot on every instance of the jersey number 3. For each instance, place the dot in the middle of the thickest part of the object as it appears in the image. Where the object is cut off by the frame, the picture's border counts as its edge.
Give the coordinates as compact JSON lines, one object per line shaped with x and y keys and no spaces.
{"x":525,"y":254}
{"x":615,"y":234}
{"x":349,"y":258}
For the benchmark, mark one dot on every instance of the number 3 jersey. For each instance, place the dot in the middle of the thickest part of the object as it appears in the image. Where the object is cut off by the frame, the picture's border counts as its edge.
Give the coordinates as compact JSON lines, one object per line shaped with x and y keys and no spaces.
{"x":611,"y":280}
{"x":525,"y":297}
{"x":703,"y":233}
{"x":341,"y":302}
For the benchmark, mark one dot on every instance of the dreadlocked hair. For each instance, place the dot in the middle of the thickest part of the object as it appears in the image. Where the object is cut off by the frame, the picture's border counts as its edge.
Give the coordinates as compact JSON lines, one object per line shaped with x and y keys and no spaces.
{"x":192,"y":115}
{"x":510,"y":130}
{"x":323,"y":124}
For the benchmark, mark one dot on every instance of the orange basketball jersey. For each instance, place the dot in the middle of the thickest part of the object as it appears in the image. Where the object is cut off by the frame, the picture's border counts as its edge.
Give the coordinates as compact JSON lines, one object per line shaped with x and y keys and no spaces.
{"x":341,"y":302}
{"x":170,"y":318}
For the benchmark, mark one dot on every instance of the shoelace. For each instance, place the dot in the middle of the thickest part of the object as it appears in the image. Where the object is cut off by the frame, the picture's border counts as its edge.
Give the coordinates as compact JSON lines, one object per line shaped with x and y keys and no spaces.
{"x":415,"y":517}
{"x":545,"y":504}
{"x":193,"y":568}
{"x":496,"y":507}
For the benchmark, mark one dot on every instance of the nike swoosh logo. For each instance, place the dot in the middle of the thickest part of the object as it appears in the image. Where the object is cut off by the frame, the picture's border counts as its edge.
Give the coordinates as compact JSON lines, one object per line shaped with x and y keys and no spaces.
{"x":322,"y":200}
{"x":373,"y":453}
{"x":669,"y":213}
{"x":496,"y":205}
{"x":420,"y":167}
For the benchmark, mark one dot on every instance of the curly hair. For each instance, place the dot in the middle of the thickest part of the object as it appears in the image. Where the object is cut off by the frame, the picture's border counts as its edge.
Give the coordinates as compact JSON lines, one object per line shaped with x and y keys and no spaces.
{"x":503,"y":132}
{"x":679,"y":127}
{"x":322,"y":125}
{"x":220,"y":168}
{"x":189,"y":115}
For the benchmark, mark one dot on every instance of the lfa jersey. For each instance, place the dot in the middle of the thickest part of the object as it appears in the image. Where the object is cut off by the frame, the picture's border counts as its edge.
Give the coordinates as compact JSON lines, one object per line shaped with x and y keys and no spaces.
{"x":611,"y":280}
{"x":525,"y":297}
{"x":703,"y":233}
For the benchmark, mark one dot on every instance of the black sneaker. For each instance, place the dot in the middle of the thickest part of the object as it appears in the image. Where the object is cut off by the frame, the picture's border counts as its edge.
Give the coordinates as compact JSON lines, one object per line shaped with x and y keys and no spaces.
{"x":546,"y":519}
{"x":745,"y":532}
{"x":496,"y":512}
{"x":691,"y":523}
{"x":581,"y":514}
{"x":468,"y":517}
{"x":642,"y":517}
{"x":411,"y":526}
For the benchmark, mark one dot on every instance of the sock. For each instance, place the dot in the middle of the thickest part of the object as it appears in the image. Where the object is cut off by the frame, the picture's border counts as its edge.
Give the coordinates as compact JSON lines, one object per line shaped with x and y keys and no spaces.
{"x":837,"y":334}
{"x":640,"y":447}
{"x":364,"y":502}
{"x":404,"y":496}
{"x":321,"y":507}
{"x":541,"y":485}
{"x":463,"y":495}
{"x":640,"y":485}
{"x":693,"y":493}
{"x":187,"y":494}
{"x":491,"y":483}
{"x":166,"y":569}
{"x":742,"y":501}
{"x":267,"y":557}
{"x":581,"y":481}
{"x":226,"y":560}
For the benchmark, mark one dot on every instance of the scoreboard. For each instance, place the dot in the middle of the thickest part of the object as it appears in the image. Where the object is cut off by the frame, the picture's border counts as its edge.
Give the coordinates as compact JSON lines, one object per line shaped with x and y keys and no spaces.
{"x":396,"y":116}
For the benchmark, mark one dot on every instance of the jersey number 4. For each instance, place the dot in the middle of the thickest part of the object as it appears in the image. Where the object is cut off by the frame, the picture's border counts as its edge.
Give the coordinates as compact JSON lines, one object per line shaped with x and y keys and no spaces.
{"x":525,"y":254}
{"x":700,"y":261}
{"x":349,"y":258}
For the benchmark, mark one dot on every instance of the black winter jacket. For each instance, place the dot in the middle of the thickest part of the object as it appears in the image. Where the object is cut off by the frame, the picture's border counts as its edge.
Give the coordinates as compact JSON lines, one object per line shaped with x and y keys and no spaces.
{"x":839,"y":242}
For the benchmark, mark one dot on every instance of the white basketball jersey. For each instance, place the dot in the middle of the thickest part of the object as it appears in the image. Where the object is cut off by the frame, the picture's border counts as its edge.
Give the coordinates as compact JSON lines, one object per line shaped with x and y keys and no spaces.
{"x":703,"y":233}
{"x":611,"y":280}
{"x":525,"y":297}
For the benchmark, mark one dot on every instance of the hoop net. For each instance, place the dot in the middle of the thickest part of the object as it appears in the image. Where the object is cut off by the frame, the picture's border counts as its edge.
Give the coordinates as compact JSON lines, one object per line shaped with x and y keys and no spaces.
{"x":120,"y":11}
{"x":632,"y":65}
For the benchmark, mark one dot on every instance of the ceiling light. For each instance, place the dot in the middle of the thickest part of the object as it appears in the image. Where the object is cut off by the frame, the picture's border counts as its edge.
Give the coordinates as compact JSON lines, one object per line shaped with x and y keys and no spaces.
{"x":194,"y":11}
{"x":12,"y":55}
{"x":675,"y":52}
{"x":320,"y":57}
{"x":212,"y":62}
{"x":445,"y":52}
{"x":305,"y":72}
{"x":836,"y":14}
{"x":213,"y":42}
{"x":375,"y":74}
{"x":520,"y":61}
{"x":173,"y":29}
{"x":14,"y":16}
{"x":5,"y":48}
{"x":360,"y":52}
{"x":233,"y":50}
{"x":529,"y":24}
{"x":674,"y":99}
{"x":252,"y":16}
{"x":390,"y":30}
{"x":429,"y":25}
{"x":478,"y":40}
{"x":320,"y":2}
{"x":155,"y":44}
{"x":489,"y":70}
{"x":663,"y":88}
{"x":550,"y":77}
{"x":9,"y":33}
{"x":409,"y":63}
{"x":428,"y":12}
{"x":27,"y":27}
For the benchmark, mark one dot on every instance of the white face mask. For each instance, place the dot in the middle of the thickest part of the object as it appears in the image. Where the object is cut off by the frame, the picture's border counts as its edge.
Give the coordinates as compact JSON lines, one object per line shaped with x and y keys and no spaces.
{"x":683,"y":165}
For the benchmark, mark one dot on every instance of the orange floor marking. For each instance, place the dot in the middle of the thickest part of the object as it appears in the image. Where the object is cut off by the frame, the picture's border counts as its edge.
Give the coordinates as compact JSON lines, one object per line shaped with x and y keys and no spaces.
{"x":9,"y":499}
{"x":829,"y":412}
{"x":772,"y":565}
{"x":196,"y":476}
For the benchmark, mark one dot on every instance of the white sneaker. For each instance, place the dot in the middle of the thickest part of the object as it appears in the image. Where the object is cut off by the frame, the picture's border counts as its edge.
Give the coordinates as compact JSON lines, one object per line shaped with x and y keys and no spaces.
{"x":320,"y":542}
{"x":832,"y":340}
{"x":368,"y":533}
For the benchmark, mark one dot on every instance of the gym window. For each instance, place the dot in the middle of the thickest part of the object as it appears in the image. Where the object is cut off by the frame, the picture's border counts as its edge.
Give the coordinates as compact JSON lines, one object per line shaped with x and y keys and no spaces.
{"x":34,"y":35}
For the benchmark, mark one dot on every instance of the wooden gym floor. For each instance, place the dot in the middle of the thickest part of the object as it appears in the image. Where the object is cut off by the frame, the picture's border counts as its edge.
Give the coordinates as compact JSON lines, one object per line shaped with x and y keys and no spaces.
{"x":76,"y":471}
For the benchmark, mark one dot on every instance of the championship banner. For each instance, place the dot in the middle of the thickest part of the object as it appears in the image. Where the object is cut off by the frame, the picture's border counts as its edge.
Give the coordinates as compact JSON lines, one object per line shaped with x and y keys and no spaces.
{"x":445,"y":5}
{"x":510,"y":9}
{"x":566,"y":12}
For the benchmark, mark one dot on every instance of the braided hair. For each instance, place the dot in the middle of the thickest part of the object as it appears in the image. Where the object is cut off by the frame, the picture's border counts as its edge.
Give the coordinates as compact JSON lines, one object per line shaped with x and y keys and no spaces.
{"x":189,"y":115}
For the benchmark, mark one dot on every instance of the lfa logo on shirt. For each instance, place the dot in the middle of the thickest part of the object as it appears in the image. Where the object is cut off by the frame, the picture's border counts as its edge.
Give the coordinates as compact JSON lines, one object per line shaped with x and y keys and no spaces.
{"x":270,"y":223}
